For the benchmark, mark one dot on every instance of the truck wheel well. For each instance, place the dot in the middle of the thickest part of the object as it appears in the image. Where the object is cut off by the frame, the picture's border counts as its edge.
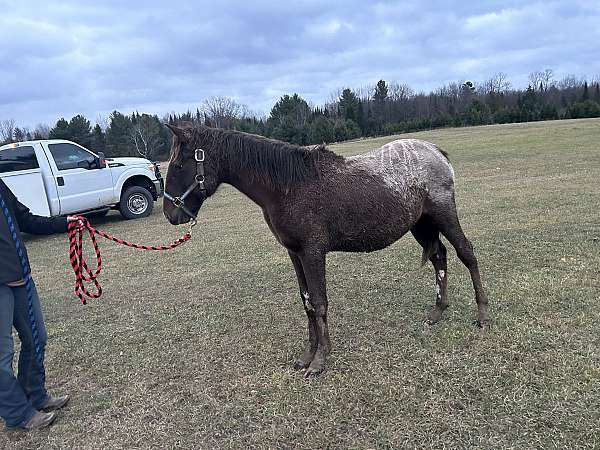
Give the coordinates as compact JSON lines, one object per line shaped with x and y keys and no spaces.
{"x":140,"y":180}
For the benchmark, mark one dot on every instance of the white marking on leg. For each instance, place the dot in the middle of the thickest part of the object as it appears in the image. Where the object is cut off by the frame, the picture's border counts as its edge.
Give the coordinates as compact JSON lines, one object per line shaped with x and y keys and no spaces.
{"x":441,"y":274}
{"x":438,"y":290}
{"x":307,"y":304}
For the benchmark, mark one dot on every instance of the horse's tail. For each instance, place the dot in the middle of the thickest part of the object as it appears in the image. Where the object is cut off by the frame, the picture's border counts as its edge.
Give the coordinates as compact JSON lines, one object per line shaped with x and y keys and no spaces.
{"x":444,"y":153}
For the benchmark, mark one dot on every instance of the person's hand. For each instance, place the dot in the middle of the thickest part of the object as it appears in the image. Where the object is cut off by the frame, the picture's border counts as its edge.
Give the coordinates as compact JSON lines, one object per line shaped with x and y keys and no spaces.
{"x":73,"y":218}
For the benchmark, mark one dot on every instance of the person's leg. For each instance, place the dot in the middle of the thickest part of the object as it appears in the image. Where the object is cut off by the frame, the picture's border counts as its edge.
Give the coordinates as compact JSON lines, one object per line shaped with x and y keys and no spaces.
{"x":15,"y":408}
{"x":31,"y":373}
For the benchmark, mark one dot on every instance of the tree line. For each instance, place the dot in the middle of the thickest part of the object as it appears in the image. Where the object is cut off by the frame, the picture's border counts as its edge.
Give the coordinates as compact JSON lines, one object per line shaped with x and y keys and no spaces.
{"x":382,"y":109}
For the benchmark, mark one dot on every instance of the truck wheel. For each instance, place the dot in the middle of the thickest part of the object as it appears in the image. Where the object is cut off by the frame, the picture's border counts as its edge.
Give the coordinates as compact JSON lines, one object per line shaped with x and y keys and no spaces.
{"x":136,"y":202}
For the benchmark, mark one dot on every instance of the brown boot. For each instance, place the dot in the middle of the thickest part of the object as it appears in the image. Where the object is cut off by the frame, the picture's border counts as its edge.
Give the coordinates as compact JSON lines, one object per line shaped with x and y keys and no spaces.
{"x":54,"y":403}
{"x":40,"y":420}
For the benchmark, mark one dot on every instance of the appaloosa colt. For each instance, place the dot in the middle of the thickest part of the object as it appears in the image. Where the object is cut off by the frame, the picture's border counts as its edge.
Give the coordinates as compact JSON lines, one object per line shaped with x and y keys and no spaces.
{"x":315,"y":202}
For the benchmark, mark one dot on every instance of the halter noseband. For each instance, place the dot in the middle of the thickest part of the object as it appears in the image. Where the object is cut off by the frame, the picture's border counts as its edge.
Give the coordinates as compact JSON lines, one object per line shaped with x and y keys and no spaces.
{"x":179,"y":202}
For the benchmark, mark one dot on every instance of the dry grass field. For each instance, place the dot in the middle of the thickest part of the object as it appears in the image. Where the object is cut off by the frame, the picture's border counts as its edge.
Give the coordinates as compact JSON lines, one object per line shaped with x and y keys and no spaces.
{"x":194,"y":348}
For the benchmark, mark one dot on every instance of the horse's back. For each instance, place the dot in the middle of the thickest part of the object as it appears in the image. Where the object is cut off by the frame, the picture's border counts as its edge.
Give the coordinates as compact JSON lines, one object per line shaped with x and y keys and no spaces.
{"x":407,"y":164}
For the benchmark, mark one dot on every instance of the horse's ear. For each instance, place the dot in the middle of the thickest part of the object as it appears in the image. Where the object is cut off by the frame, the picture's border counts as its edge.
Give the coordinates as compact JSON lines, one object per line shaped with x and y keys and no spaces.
{"x":176,"y":131}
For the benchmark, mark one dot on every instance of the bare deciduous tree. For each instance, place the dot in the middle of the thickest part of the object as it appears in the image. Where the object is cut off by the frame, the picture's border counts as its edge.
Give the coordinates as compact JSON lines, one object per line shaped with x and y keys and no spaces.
{"x":547,"y":78}
{"x":223,"y":111}
{"x":496,"y":84}
{"x":334,"y":97}
{"x":146,"y":136}
{"x":102,"y":121}
{"x":569,"y":82}
{"x":541,"y":79}
{"x":399,"y":91}
{"x":23,"y":134}
{"x":364,"y":93}
{"x":7,"y":130}
{"x":41,"y":131}
{"x":535,"y":78}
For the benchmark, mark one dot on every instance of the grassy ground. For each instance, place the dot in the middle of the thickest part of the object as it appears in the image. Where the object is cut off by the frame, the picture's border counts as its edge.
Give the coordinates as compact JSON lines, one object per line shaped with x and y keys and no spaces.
{"x":193,"y":348}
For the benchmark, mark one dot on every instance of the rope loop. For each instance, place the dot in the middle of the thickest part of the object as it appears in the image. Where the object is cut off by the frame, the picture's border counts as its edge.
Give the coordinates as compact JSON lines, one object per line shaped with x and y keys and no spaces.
{"x":83,"y":273}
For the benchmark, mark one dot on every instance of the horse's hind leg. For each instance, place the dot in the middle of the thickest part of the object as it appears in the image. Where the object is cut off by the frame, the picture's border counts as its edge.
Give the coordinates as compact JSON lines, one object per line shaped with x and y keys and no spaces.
{"x":428,"y":236}
{"x":446,"y":219}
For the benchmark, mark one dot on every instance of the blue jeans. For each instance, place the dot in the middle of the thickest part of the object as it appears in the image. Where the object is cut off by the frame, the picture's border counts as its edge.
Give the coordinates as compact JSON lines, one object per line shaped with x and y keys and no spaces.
{"x":20,"y":397}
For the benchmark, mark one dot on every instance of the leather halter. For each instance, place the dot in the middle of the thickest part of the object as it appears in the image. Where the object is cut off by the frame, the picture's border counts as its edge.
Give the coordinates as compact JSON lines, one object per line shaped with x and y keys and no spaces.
{"x":179,"y":202}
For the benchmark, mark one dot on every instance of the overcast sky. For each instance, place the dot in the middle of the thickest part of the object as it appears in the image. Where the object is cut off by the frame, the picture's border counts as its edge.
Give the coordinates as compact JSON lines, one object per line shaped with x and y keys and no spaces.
{"x":78,"y":57}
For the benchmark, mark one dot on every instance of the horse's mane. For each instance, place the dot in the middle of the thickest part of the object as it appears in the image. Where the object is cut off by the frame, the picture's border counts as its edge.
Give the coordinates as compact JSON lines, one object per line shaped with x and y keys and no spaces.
{"x":275,"y":162}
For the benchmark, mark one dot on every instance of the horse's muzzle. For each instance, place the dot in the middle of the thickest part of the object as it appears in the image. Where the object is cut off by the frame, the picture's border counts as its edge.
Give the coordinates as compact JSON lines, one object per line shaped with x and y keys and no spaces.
{"x":177,"y":217}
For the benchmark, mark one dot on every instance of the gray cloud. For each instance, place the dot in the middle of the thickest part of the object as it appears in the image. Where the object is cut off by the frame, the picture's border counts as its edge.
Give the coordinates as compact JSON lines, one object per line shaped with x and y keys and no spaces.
{"x":70,"y":57}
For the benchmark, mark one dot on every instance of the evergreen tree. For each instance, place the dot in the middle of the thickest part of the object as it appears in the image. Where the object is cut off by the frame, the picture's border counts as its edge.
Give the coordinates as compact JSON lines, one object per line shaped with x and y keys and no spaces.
{"x":466,"y":93}
{"x":118,"y":136}
{"x":98,"y":141}
{"x":80,"y":131}
{"x":586,"y":94}
{"x":60,"y":130}
{"x":478,"y":113}
{"x":381,"y":91}
{"x":289,"y":119}
{"x":585,"y":109}
{"x":380,"y":97}
{"x":352,"y":129}
{"x":360,"y":117}
{"x":322,"y":130}
{"x":530,"y":106}
{"x":20,"y":135}
{"x":349,"y":105}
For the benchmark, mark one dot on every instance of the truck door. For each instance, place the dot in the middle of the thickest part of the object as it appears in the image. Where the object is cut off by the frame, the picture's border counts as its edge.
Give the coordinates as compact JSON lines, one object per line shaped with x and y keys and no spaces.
{"x":20,"y":170}
{"x":82,"y":184}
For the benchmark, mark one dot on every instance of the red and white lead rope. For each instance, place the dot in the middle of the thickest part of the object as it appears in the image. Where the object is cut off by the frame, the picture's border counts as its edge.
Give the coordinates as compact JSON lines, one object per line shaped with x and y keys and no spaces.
{"x":82,"y":271}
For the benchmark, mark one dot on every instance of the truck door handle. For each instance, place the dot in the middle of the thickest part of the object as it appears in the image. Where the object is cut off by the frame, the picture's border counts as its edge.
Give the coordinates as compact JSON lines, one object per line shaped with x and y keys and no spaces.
{"x":60,"y":181}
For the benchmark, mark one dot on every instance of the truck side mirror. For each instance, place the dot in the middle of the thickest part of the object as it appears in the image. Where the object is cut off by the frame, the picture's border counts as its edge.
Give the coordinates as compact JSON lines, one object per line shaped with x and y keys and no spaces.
{"x":101,"y":160}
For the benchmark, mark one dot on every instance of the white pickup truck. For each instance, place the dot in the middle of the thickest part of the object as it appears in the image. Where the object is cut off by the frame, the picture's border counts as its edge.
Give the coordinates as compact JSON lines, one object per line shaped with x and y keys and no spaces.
{"x":58,"y":177}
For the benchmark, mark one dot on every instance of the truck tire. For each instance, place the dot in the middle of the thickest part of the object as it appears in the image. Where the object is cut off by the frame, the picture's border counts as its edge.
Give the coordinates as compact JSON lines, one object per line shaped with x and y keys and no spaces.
{"x":136,"y":202}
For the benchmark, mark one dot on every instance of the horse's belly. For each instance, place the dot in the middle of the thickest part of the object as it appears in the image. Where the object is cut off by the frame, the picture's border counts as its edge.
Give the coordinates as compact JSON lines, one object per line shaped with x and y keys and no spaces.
{"x":372,"y":236}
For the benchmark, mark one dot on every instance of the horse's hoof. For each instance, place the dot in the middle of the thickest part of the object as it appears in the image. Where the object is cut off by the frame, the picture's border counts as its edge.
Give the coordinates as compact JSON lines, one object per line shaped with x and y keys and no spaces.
{"x":312,"y":372}
{"x":317,"y":366}
{"x":300,"y":365}
{"x":433,"y":317}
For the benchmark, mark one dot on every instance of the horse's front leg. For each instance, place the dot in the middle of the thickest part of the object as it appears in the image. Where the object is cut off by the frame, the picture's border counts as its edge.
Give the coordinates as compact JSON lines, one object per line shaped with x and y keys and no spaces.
{"x":313,"y":263}
{"x":311,"y":347}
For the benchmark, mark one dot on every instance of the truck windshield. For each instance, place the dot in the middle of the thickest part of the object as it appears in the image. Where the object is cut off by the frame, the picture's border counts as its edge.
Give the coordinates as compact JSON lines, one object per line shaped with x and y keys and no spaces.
{"x":18,"y":158}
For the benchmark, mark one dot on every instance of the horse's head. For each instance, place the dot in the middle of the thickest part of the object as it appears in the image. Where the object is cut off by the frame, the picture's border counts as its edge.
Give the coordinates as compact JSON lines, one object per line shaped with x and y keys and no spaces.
{"x":191,"y":176}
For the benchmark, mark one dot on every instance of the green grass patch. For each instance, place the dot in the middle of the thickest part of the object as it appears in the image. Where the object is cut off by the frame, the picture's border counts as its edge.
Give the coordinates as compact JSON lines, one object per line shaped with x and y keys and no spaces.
{"x":193,"y":348}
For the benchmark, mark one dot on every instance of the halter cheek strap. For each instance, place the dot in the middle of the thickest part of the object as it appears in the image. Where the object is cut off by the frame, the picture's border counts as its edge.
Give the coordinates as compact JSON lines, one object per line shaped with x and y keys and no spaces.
{"x":179,"y":202}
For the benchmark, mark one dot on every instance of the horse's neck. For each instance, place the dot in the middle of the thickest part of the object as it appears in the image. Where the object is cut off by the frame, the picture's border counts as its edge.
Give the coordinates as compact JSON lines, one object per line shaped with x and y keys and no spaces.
{"x":252,"y":180}
{"x":253,"y":187}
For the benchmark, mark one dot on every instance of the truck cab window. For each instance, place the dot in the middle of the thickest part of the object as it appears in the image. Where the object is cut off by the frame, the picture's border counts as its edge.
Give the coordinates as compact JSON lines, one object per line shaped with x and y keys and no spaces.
{"x":18,"y":158}
{"x":69,"y":156}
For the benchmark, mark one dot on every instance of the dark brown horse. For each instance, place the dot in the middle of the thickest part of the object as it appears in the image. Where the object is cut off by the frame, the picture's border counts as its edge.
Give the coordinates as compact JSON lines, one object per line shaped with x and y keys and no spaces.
{"x":315,"y":202}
